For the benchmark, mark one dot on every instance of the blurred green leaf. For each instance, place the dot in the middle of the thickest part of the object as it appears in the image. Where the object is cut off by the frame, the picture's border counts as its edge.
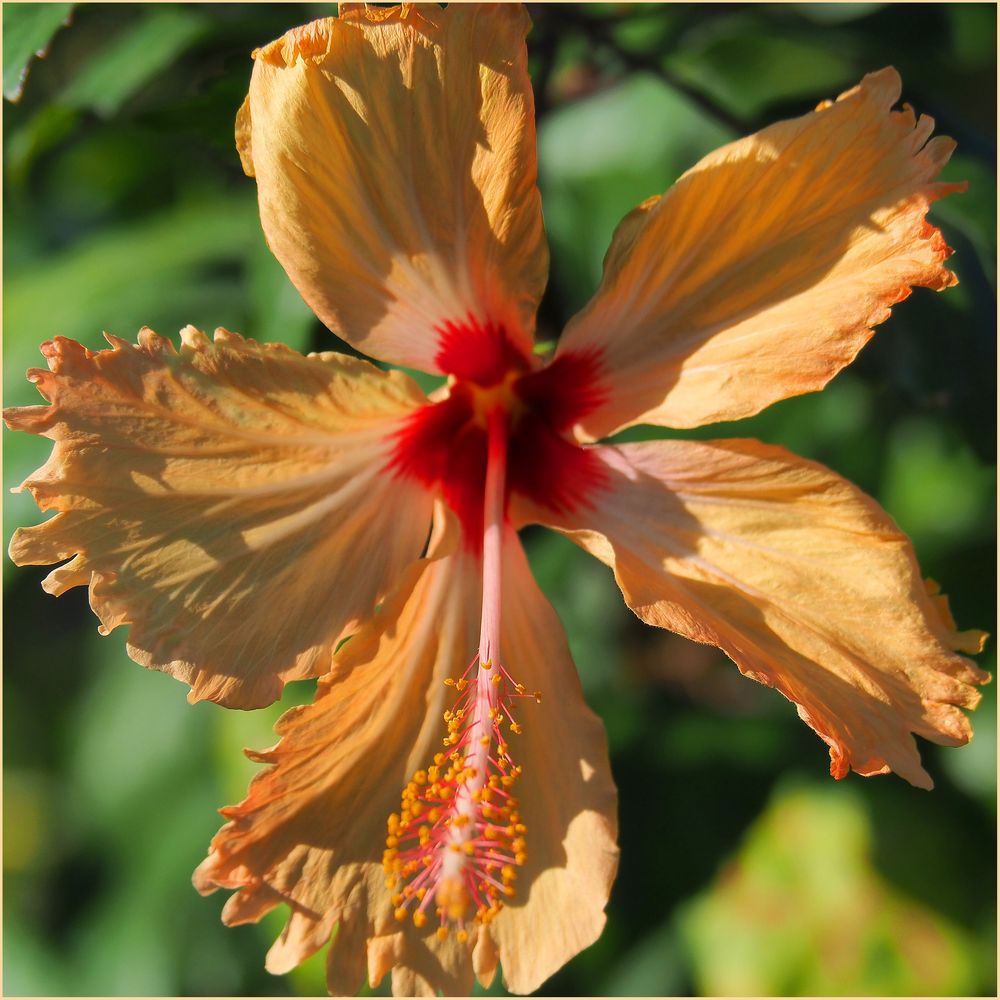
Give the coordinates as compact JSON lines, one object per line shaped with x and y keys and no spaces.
{"x":119,"y":69}
{"x":653,"y":967}
{"x":600,"y":157}
{"x":45,"y":129}
{"x":28,"y":29}
{"x":973,"y":33}
{"x":835,"y":13}
{"x":935,"y":487}
{"x":118,"y":279}
{"x":32,"y":967}
{"x":973,"y":767}
{"x":279,"y":314}
{"x":746,"y":67}
{"x":800,"y":911}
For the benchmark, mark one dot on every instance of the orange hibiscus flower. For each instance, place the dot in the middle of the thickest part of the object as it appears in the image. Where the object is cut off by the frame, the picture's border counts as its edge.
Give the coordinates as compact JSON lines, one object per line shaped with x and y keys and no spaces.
{"x":257,"y":516}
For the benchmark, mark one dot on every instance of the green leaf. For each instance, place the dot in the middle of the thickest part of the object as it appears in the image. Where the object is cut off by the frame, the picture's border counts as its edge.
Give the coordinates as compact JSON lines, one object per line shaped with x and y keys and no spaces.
{"x":27,"y":32}
{"x":746,"y":68}
{"x":801,"y":911}
{"x":937,"y":490}
{"x":279,"y":314}
{"x":131,"y":276}
{"x":600,"y":157}
{"x":122,"y":67}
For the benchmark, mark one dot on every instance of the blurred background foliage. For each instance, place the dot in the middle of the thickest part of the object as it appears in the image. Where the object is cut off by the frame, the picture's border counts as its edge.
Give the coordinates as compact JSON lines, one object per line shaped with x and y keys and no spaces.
{"x":745,"y":869}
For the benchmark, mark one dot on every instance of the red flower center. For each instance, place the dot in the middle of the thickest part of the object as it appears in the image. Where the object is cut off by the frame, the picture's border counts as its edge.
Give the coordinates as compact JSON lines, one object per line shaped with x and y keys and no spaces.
{"x":444,"y":444}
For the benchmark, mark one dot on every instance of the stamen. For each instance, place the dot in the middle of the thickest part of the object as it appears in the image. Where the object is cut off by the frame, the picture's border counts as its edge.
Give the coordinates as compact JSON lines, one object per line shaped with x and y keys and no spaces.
{"x":458,"y":838}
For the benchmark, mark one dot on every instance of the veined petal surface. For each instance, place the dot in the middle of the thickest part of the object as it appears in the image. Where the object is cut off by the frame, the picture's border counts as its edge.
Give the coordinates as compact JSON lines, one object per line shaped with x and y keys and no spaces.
{"x":799,"y":578}
{"x":394,"y":151}
{"x":311,"y":831}
{"x":228,"y":501}
{"x":761,"y":273}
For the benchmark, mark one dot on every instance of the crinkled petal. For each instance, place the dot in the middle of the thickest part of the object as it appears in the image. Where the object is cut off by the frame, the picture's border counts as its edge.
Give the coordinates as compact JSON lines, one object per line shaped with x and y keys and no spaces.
{"x":230,"y":502}
{"x":311,"y":831}
{"x":801,"y":579}
{"x":394,"y":151}
{"x":761,"y":273}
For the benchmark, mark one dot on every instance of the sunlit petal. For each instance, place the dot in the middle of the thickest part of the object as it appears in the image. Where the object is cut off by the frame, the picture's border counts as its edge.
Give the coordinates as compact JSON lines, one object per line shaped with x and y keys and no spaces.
{"x":394,"y":151}
{"x":801,"y":579}
{"x":311,"y":832}
{"x":229,"y":502}
{"x":762,"y":272}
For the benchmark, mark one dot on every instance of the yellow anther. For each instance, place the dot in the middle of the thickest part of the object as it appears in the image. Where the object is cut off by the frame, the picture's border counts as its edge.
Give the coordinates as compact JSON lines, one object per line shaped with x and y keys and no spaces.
{"x":397,"y":899}
{"x":449,"y":682}
{"x":496,"y":678}
{"x":516,"y":728}
{"x":486,"y":664}
{"x":434,"y":815}
{"x":461,"y":686}
{"x":421,"y":892}
{"x":469,"y":848}
{"x":507,"y":781}
{"x":401,"y":913}
{"x":520,"y":857}
{"x":442,"y":933}
{"x":519,"y":688}
{"x":508,"y":890}
{"x":484,"y":741}
{"x":452,"y":897}
{"x":462,"y":936}
{"x":439,"y":759}
{"x":538,"y":697}
{"x":419,"y":918}
{"x":507,"y":872}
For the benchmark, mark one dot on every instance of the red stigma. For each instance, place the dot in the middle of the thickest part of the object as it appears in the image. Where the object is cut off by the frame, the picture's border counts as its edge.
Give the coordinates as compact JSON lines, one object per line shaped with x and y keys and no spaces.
{"x":444,"y":444}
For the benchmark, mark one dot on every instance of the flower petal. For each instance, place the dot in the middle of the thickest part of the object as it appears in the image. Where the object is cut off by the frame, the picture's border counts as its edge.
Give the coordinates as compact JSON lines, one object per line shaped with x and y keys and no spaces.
{"x":800,"y":579}
{"x":762,"y":272}
{"x":229,"y":501}
{"x":311,"y":832}
{"x":394,"y":151}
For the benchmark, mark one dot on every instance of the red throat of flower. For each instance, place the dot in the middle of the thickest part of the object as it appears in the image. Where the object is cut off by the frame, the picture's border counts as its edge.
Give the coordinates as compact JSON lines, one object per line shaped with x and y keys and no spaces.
{"x":444,"y":445}
{"x":454,"y":848}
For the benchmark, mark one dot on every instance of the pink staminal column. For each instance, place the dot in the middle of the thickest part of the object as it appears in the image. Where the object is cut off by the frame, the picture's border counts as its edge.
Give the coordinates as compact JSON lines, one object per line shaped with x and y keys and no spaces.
{"x":459,"y":837}
{"x":478,"y":739}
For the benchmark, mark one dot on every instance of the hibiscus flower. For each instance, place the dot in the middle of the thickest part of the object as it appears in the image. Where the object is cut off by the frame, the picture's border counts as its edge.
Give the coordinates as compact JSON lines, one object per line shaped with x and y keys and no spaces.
{"x":445,"y":804}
